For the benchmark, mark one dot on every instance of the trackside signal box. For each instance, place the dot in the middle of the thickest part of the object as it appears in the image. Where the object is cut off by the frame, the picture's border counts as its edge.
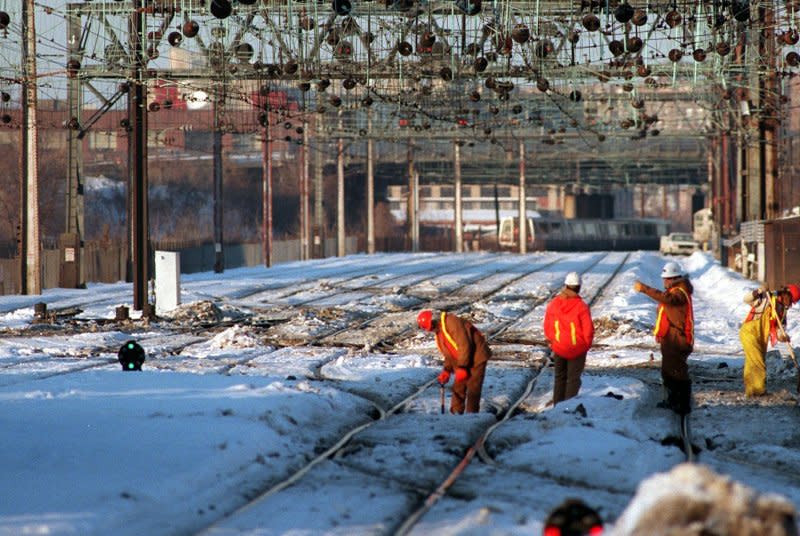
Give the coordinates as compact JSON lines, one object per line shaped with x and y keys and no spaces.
{"x":168,"y":281}
{"x":69,"y":265}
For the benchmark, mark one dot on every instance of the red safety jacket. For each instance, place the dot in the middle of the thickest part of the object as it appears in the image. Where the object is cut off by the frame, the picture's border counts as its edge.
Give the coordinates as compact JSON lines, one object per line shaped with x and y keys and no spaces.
{"x":568,"y":325}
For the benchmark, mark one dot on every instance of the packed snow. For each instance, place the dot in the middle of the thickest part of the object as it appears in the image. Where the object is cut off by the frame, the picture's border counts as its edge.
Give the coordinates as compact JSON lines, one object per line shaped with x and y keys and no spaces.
{"x":234,"y":399}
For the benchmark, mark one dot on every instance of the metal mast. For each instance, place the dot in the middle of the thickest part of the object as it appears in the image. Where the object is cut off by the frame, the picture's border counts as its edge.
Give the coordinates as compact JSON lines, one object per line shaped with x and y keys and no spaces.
{"x":30,"y":252}
{"x":137,"y":155}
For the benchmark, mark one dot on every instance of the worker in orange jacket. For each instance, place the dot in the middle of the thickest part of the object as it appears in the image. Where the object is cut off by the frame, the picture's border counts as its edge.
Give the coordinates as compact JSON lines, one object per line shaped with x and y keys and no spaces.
{"x":465,"y":353}
{"x":674,"y":331}
{"x":767,"y":310}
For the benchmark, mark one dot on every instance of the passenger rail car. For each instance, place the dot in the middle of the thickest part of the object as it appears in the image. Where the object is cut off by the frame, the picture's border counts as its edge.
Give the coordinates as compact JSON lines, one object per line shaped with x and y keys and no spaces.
{"x":560,"y":234}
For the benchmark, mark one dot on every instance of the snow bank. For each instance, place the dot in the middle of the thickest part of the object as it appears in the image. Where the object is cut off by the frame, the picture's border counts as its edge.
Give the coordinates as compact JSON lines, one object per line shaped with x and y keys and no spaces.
{"x":693,"y":500}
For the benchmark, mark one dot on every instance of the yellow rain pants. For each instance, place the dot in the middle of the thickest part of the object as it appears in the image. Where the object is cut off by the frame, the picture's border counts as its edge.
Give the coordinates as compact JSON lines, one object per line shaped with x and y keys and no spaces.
{"x":754,"y":335}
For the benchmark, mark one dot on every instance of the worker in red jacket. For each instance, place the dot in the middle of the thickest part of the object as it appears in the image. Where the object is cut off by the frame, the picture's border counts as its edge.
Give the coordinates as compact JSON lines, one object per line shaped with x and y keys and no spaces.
{"x":569,"y":330}
{"x":465,"y":353}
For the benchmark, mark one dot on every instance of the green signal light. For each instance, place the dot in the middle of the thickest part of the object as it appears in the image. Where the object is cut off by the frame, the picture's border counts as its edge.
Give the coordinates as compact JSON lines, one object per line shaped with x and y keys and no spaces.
{"x":130,"y":365}
{"x":130,"y":346}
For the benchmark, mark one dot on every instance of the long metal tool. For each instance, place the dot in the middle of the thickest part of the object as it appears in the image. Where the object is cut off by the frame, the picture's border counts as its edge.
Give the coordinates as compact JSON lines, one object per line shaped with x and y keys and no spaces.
{"x":786,"y":337}
{"x":791,"y":353}
{"x":441,"y":396}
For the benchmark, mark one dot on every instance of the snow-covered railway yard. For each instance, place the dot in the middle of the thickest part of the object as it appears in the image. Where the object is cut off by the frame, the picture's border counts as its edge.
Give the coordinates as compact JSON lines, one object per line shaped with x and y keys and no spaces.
{"x":302,"y":399}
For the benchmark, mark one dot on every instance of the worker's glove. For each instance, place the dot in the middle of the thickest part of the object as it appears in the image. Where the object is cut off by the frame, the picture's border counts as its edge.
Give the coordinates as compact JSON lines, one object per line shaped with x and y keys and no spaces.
{"x":637,"y":286}
{"x":783,"y":337}
{"x":461,"y":374}
{"x":444,"y":377}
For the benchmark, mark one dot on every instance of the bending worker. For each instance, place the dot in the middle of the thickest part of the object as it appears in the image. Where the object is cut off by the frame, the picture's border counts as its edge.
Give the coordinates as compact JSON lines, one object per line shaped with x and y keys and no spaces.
{"x":767,"y":309}
{"x":674,"y":331}
{"x":465,"y":353}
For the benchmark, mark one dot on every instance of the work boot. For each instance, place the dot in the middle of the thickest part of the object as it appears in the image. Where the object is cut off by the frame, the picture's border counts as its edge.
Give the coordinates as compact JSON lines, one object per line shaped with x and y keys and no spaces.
{"x":679,"y":396}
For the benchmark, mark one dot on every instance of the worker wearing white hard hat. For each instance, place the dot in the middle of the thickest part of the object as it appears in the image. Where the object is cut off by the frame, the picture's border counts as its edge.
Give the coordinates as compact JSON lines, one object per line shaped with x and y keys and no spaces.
{"x":569,"y":329}
{"x":674,"y":331}
{"x":671,"y":270}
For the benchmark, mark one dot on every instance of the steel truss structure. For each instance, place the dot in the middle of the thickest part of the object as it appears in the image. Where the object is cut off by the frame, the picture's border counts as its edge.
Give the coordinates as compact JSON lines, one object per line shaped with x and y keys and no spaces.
{"x":614,"y":86}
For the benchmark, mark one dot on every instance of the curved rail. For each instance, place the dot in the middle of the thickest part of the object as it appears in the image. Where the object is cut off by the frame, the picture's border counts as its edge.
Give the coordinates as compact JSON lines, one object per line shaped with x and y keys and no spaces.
{"x":478,"y":448}
{"x":431,"y":496}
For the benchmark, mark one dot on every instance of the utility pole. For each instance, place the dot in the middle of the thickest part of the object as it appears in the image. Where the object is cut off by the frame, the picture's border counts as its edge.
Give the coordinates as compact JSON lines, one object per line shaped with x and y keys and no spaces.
{"x":749,"y":100}
{"x":74,"y":224}
{"x":137,"y":160}
{"x":457,"y":199}
{"x":266,"y":191}
{"x":728,"y":203}
{"x":413,"y":201}
{"x":219,"y":254}
{"x":30,"y":248}
{"x":523,"y":211}
{"x":319,"y":216}
{"x":370,"y":187}
{"x":768,"y":125}
{"x":305,"y":209}
{"x":340,"y":231}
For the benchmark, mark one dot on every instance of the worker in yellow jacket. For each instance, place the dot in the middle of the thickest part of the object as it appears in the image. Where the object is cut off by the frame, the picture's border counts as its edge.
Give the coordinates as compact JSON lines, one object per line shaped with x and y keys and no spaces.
{"x":767,"y":310}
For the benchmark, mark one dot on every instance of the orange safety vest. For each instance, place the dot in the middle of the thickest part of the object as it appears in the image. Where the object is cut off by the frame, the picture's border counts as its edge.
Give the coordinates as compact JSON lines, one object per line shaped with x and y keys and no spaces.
{"x":662,"y":323}
{"x":448,"y":340}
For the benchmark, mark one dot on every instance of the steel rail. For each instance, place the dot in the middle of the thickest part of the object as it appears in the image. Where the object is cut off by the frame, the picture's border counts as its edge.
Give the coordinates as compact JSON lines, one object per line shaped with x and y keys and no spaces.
{"x":341,"y":443}
{"x":476,"y":449}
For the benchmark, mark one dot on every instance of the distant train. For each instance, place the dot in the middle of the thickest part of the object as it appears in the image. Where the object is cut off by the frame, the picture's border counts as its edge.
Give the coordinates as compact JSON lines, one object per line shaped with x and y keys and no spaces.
{"x":560,"y":234}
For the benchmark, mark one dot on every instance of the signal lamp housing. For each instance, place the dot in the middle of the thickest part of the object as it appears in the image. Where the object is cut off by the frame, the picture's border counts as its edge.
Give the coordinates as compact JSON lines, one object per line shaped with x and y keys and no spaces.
{"x":131,"y":356}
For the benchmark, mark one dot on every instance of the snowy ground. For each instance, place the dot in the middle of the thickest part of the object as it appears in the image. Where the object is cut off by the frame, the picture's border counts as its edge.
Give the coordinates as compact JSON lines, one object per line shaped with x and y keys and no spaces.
{"x":262,"y":371}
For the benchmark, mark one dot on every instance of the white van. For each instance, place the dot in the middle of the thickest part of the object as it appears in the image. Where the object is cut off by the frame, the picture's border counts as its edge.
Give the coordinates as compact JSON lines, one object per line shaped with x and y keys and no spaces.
{"x":678,"y":244}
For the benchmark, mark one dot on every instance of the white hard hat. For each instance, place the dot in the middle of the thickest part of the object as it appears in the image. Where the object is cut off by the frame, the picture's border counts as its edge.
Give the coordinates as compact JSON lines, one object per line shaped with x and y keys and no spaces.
{"x":671,"y":269}
{"x":573,"y":279}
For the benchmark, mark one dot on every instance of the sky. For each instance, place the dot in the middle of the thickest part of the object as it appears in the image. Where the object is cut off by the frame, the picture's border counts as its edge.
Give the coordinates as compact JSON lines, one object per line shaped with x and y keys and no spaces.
{"x":268,"y":404}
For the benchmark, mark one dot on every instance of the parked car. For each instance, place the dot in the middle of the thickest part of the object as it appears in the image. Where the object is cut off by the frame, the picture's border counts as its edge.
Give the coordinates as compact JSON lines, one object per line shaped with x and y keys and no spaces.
{"x":678,"y":244}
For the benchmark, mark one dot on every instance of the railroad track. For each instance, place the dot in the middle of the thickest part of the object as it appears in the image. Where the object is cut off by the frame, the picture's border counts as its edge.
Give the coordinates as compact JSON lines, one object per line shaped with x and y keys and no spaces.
{"x":342,"y":448}
{"x":470,"y":441}
{"x":174,"y":339}
{"x":178,"y":339}
{"x":356,"y":450}
{"x":352,"y":452}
